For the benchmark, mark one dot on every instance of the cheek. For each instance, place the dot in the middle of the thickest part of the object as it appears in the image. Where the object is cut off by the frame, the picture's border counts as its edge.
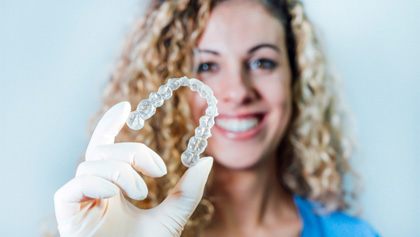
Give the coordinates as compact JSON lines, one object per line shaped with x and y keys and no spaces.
{"x":276,"y":98}
{"x":280,"y":103}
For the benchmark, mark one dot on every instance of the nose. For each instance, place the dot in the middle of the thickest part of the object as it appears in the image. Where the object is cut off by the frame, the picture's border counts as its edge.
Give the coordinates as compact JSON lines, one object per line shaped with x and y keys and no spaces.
{"x":237,"y":88}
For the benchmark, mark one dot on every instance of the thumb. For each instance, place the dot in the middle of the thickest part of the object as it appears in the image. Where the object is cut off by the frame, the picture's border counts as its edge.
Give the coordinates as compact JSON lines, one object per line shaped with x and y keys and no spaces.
{"x":109,"y":126}
{"x":176,"y":209}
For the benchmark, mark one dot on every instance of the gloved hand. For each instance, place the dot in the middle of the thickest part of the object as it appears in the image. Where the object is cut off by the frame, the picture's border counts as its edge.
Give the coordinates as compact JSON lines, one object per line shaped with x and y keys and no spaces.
{"x":93,"y":202}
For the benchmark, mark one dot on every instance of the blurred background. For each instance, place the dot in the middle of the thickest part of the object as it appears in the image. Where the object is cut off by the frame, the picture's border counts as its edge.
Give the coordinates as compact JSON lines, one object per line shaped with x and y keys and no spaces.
{"x":56,"y":56}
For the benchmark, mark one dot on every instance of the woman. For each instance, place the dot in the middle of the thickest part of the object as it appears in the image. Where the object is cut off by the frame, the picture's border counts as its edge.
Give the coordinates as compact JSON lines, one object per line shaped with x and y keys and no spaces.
{"x":278,"y":144}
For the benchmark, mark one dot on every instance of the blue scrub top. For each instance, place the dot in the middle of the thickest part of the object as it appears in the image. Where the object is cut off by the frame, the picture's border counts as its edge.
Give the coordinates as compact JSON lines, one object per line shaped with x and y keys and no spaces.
{"x":331,"y":224}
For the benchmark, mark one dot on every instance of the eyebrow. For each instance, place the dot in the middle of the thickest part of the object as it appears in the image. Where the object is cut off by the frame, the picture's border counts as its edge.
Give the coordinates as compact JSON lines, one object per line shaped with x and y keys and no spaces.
{"x":250,"y":51}
{"x":265,"y":45}
{"x":208,"y":51}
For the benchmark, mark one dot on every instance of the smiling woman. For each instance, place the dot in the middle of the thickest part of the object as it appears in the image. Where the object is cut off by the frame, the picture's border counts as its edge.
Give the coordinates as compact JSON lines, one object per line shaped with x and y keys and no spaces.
{"x":279,"y":147}
{"x":251,"y":79}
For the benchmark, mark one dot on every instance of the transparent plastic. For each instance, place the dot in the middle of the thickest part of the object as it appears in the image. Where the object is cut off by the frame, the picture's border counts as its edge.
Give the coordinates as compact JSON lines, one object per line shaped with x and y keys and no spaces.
{"x":147,"y":108}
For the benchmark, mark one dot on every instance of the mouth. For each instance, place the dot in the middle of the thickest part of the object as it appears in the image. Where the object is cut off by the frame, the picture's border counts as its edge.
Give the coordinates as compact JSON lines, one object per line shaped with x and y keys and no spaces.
{"x":240,"y":126}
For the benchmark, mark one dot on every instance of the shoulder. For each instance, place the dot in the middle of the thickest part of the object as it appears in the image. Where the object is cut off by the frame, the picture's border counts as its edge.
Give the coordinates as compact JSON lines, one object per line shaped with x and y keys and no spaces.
{"x":335,"y":223}
{"x":345,"y":225}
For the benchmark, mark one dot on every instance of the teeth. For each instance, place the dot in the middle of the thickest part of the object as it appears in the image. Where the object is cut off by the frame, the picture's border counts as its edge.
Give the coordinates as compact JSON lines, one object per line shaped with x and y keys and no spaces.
{"x":237,"y":125}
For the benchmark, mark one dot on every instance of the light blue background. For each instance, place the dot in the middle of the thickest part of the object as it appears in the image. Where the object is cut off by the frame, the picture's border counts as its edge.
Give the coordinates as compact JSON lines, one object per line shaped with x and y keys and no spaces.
{"x":55,"y":58}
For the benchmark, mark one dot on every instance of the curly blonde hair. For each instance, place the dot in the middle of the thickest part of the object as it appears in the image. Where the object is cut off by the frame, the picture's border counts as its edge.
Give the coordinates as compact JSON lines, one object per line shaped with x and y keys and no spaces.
{"x":315,"y":150}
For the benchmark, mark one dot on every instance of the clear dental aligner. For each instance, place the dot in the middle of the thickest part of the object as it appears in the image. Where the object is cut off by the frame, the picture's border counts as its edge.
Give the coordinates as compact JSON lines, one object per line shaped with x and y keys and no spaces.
{"x":147,"y":108}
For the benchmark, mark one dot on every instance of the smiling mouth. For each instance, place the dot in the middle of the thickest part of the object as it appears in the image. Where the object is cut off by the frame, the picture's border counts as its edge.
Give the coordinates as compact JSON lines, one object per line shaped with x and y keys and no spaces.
{"x":240,"y":127}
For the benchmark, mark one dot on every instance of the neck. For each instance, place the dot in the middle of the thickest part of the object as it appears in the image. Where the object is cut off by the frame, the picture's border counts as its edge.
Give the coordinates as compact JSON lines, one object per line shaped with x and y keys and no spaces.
{"x":251,"y":198}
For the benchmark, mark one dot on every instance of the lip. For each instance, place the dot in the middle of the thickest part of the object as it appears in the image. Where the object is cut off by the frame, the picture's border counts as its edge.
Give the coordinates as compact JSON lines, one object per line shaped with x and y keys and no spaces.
{"x":242,"y":135}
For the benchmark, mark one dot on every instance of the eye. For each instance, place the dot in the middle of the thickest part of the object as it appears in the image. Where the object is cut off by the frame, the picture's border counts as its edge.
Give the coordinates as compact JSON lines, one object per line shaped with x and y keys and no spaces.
{"x":262,"y":63}
{"x":207,"y":67}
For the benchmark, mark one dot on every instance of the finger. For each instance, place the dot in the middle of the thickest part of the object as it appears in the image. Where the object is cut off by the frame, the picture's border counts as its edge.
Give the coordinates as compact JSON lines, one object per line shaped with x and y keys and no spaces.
{"x":67,"y":199}
{"x":119,"y":173}
{"x":138,"y":155}
{"x":184,"y":198}
{"x":110,"y":125}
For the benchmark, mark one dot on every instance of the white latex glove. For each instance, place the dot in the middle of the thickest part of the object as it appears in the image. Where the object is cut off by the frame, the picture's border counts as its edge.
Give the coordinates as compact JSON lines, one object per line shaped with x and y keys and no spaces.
{"x":93,"y":202}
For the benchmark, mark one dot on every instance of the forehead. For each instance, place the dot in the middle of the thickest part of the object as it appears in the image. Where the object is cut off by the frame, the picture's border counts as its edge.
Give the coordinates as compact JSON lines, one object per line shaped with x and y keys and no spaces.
{"x":240,"y":25}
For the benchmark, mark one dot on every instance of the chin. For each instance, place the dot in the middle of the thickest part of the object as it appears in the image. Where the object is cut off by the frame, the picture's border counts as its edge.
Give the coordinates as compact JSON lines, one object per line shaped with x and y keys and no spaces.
{"x":238,"y":161}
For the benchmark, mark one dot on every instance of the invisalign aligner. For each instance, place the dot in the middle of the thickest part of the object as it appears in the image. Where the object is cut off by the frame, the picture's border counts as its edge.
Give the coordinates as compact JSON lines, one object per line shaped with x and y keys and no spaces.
{"x":147,"y":108}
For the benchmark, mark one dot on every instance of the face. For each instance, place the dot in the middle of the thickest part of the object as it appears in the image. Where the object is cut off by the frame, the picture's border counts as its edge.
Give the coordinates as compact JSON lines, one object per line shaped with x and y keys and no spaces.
{"x":242,"y":56}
